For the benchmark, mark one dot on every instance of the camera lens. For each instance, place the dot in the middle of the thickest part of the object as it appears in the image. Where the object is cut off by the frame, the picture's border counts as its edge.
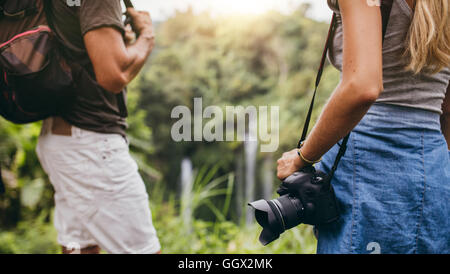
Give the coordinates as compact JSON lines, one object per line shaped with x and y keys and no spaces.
{"x":276,"y":216}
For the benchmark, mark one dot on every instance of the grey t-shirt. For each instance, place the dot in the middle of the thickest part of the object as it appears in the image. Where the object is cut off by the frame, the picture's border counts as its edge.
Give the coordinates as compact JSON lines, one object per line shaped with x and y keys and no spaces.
{"x":401,"y":87}
{"x":95,"y":109}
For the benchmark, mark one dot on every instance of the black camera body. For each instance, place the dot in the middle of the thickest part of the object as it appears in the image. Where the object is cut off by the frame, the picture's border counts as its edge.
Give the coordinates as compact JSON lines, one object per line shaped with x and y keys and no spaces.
{"x":306,"y":197}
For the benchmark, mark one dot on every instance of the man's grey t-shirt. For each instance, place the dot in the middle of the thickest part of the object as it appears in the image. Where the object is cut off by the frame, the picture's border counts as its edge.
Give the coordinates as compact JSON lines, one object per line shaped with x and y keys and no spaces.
{"x":95,"y":109}
{"x":401,"y":87}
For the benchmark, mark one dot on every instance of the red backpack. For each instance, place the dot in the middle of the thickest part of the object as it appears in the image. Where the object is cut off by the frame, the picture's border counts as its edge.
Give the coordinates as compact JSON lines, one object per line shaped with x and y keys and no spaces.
{"x":35,"y":80}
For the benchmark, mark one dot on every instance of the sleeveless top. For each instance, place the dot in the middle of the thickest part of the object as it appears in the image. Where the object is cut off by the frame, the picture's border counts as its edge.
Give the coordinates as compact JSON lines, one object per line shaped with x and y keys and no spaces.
{"x":401,"y":87}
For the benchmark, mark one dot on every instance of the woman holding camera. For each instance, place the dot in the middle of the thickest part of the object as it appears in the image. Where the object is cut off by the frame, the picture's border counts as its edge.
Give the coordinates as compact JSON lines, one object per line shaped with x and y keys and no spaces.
{"x":393,"y":184}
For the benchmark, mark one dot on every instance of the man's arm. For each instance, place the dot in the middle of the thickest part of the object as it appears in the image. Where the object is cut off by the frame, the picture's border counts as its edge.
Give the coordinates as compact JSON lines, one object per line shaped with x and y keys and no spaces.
{"x":445,"y":118}
{"x":115,"y":63}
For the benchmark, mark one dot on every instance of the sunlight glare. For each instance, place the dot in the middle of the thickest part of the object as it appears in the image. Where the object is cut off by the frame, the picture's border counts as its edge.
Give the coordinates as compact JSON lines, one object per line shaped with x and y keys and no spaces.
{"x":243,"y":6}
{"x":163,"y":9}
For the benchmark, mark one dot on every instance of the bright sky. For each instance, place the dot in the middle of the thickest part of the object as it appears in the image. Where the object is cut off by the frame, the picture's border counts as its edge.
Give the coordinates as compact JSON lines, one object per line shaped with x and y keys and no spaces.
{"x":162,"y":9}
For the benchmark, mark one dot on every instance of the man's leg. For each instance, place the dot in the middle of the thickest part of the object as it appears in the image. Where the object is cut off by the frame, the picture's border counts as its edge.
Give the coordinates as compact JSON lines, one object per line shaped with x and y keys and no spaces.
{"x":88,"y":250}
{"x":72,"y":236}
{"x":103,"y":189}
{"x":123,"y":220}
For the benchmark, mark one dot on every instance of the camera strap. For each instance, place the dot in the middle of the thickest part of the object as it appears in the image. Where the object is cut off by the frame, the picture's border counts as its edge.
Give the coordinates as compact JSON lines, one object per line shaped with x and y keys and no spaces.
{"x":386,"y":8}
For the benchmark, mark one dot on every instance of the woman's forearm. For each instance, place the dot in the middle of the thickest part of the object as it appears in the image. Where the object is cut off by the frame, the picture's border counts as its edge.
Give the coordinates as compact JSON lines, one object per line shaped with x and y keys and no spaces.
{"x":344,"y":111}
{"x":341,"y":114}
{"x":362,"y":83}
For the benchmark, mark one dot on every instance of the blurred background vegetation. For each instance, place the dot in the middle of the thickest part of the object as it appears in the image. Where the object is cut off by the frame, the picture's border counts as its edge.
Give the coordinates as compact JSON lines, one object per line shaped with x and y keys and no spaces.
{"x":263,"y":60}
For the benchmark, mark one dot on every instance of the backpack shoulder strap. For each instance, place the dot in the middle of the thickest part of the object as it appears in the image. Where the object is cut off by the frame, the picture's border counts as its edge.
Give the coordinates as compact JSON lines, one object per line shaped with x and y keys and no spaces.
{"x":18,"y":9}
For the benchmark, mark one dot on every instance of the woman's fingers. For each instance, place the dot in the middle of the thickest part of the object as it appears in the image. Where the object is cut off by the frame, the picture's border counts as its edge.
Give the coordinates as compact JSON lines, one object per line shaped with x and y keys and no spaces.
{"x":288,"y":164}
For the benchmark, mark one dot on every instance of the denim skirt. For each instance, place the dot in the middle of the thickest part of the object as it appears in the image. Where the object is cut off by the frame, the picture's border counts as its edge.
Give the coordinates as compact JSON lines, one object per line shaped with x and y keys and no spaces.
{"x":393,"y":186}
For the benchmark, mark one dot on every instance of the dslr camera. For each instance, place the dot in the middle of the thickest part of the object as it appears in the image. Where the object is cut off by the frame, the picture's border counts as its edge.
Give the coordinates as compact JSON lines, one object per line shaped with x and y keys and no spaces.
{"x":306,"y":197}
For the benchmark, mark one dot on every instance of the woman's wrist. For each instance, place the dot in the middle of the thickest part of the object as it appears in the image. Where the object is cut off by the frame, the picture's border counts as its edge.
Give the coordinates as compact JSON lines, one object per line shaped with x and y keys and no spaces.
{"x":299,"y":163}
{"x":307,"y":161}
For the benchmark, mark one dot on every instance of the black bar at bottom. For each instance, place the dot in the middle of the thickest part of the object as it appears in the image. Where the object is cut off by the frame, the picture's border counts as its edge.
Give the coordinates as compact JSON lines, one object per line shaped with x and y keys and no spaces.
{"x":222,"y":263}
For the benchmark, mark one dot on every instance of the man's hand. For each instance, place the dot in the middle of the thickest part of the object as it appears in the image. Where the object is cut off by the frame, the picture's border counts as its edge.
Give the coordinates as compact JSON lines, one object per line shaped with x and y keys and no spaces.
{"x":289,"y":163}
{"x":130,"y":36}
{"x":141,"y":22}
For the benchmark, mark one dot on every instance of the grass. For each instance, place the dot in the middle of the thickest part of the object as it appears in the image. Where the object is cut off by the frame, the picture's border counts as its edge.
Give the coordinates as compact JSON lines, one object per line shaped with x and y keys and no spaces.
{"x":38,"y":236}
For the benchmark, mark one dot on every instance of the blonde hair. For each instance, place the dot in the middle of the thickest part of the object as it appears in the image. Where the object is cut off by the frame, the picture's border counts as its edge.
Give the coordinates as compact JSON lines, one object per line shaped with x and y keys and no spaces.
{"x":428,"y":46}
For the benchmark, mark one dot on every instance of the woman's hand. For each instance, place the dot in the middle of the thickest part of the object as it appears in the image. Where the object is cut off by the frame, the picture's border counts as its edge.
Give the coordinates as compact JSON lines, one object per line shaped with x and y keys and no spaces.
{"x":289,"y":163}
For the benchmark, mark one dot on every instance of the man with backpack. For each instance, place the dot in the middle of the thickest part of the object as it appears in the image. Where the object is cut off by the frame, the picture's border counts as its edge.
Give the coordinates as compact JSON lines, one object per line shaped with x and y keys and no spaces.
{"x":100,"y":198}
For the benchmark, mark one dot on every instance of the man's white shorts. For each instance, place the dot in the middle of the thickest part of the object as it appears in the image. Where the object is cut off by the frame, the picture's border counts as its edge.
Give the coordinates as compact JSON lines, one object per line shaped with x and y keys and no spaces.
{"x":100,"y":198}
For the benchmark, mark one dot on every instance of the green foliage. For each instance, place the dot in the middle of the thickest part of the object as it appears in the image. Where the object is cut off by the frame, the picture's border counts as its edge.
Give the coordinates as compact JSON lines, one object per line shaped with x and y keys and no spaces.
{"x":261,"y":60}
{"x":218,"y":236}
{"x":227,"y":237}
{"x":37,"y":236}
